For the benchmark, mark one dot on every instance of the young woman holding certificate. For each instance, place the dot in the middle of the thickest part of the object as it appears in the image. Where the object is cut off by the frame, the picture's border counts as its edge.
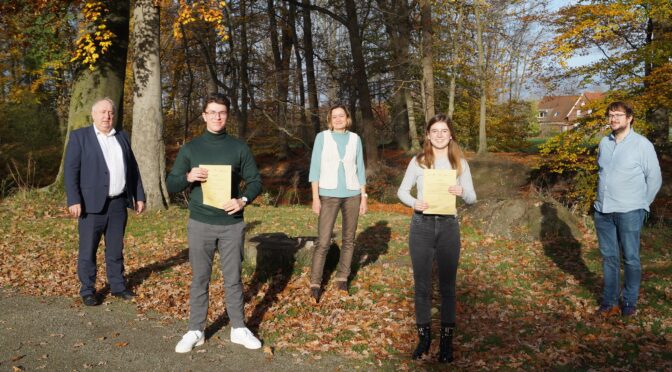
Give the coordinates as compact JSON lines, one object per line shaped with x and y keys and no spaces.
{"x":338,"y":181}
{"x":434,"y":234}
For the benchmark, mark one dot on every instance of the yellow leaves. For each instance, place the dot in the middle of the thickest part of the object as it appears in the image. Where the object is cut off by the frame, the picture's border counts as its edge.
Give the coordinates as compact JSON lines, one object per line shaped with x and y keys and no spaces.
{"x":94,"y":40}
{"x":581,"y":26}
{"x":209,"y":11}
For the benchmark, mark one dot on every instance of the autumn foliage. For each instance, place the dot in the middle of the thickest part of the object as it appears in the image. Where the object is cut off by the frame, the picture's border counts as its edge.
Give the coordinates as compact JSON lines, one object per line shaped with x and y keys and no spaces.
{"x":520,"y":305}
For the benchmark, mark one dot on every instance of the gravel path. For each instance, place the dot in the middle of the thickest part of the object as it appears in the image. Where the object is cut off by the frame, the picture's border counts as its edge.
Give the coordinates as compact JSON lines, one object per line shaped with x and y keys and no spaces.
{"x":61,"y":334}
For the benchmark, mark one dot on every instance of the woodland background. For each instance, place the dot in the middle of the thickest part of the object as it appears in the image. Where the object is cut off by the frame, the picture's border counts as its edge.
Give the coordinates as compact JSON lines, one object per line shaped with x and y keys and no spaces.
{"x":394,"y":63}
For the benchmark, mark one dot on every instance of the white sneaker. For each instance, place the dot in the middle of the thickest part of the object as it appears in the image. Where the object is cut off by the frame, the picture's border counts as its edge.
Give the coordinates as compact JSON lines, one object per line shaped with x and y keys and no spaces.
{"x":244,"y":337}
{"x":189,"y":340}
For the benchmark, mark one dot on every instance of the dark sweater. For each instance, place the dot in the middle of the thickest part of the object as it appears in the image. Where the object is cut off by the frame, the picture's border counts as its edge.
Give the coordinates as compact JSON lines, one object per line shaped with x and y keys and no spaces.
{"x":216,"y":149}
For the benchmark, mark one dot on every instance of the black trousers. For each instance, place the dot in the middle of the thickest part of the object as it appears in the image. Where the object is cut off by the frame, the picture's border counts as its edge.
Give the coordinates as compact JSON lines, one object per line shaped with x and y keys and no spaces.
{"x":434,"y":237}
{"x":110,"y":222}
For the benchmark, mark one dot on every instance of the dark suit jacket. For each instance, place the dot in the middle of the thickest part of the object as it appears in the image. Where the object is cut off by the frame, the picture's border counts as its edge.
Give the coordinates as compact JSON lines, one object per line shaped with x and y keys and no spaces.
{"x":87,"y":179}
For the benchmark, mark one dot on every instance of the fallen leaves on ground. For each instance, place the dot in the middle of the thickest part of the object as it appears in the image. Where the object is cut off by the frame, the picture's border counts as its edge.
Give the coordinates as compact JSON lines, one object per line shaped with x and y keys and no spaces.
{"x":520,"y":305}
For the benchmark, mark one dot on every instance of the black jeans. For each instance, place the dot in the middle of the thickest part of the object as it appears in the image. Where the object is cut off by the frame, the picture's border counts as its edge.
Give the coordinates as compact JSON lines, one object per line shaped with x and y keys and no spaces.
{"x":434,"y":236}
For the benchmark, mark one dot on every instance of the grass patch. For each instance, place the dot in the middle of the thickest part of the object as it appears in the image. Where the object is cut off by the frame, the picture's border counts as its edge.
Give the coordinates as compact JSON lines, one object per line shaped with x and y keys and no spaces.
{"x":515,"y":302}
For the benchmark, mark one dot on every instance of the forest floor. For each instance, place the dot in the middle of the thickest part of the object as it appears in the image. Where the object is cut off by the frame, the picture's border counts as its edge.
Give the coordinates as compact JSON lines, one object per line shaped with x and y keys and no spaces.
{"x":521,"y":303}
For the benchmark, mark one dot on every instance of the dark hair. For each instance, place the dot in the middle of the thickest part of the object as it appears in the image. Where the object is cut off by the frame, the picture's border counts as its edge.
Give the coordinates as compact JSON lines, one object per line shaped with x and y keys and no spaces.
{"x":426,"y":157}
{"x":621,"y":106}
{"x":217,"y":98}
{"x":348,"y":122}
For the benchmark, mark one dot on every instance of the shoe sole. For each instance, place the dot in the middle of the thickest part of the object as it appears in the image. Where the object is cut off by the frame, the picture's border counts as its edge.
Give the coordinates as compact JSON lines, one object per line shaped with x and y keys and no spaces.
{"x":199,"y":343}
{"x":246,"y":346}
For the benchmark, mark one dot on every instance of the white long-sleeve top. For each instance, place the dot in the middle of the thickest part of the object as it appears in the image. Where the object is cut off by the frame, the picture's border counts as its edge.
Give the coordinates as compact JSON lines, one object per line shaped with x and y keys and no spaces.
{"x":414,"y":176}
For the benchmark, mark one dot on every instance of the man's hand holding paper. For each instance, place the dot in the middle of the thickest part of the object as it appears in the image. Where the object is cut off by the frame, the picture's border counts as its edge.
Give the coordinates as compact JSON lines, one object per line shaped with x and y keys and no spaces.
{"x":217,"y":188}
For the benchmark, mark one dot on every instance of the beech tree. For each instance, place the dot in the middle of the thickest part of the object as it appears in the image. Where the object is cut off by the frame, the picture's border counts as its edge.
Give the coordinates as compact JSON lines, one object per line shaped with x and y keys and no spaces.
{"x":101,"y":50}
{"x":147,"y":140}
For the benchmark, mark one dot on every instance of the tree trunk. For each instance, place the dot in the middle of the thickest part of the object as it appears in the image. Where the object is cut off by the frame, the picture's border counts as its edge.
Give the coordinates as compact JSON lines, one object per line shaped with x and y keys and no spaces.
{"x":412,"y":127}
{"x":310,"y":69}
{"x":281,"y":60}
{"x":106,"y":80}
{"x":147,"y":140}
{"x":427,"y":58}
{"x":359,"y":64}
{"x":190,"y":87}
{"x":658,"y":116}
{"x":455,"y":42}
{"x":482,"y":139}
{"x":244,"y":75}
{"x":397,"y":25}
{"x":208,"y":41}
{"x":303,"y":128}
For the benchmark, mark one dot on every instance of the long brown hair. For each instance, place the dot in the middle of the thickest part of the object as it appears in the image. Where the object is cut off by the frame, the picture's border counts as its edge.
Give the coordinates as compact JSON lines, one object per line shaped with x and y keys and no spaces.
{"x":425,"y":158}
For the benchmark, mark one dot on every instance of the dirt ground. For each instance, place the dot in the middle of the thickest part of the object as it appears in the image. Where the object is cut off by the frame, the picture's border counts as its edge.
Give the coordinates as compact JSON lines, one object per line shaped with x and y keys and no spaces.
{"x":59,"y":334}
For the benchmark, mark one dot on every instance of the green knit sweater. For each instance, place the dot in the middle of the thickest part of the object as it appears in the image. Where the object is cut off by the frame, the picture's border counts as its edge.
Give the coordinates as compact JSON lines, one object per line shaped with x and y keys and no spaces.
{"x":217,"y":149}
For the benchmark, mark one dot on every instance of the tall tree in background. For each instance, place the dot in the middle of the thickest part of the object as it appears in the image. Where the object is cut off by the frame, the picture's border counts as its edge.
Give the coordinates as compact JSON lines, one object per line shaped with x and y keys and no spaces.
{"x":396,"y":15}
{"x":309,"y":56}
{"x":427,"y":58}
{"x":363,"y":91}
{"x":282,"y":51}
{"x":244,"y":71}
{"x":482,"y":75}
{"x":455,"y":54}
{"x":102,"y":50}
{"x":634,"y":39}
{"x":351,"y":23}
{"x":147,"y":140}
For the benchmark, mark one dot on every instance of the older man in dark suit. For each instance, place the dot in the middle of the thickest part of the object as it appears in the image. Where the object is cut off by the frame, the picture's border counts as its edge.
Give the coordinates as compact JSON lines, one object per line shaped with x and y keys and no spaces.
{"x":101,"y":180}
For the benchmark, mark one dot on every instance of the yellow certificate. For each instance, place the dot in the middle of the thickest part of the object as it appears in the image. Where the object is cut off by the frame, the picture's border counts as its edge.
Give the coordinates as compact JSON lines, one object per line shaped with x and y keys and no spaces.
{"x":217,"y":188}
{"x":435,"y":191}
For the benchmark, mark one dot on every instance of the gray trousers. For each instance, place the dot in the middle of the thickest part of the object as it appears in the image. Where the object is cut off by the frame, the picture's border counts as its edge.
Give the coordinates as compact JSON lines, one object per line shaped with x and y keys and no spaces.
{"x":203,"y":240}
{"x":349,"y":208}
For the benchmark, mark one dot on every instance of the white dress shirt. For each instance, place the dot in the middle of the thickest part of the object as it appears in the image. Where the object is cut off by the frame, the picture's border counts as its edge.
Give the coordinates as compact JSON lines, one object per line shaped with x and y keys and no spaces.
{"x":114,"y":158}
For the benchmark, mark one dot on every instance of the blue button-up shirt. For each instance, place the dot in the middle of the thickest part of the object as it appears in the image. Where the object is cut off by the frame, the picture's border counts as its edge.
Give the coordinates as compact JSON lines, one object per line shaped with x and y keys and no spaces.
{"x":629,"y":174}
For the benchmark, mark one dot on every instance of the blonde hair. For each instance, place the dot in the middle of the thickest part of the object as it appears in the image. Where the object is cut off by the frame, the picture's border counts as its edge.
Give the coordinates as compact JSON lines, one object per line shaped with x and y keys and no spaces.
{"x":348,"y":122}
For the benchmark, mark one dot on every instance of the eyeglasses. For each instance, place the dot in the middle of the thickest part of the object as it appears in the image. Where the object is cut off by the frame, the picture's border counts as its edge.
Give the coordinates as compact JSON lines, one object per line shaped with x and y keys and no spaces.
{"x":215,"y":114}
{"x":617,"y":115}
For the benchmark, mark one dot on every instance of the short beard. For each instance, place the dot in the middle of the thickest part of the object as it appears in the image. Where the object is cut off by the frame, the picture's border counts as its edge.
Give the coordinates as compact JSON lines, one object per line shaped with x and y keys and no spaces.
{"x":620,"y":130}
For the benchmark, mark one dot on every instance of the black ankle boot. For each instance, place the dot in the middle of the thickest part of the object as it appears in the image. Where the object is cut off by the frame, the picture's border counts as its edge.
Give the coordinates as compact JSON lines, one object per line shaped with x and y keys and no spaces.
{"x":446,"y":345}
{"x":315,"y":294}
{"x":424,"y":340}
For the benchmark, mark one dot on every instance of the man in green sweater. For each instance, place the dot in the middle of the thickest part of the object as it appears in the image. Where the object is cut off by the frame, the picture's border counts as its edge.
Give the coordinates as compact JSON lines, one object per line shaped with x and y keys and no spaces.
{"x":211,"y":228}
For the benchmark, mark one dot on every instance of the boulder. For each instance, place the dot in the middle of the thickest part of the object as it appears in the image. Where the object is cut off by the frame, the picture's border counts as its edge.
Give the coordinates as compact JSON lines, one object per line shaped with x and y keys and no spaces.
{"x":523,"y":219}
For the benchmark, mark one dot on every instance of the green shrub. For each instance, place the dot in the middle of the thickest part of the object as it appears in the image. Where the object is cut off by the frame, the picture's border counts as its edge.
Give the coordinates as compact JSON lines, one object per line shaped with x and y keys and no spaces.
{"x":28,"y":123}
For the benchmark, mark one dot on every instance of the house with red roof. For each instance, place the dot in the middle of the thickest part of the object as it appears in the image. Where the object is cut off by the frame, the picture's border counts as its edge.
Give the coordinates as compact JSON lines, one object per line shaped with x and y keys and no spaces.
{"x":557,"y":114}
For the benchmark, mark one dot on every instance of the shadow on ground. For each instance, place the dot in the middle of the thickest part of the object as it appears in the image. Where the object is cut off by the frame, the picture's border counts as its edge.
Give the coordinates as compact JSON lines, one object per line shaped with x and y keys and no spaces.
{"x":565,"y":251}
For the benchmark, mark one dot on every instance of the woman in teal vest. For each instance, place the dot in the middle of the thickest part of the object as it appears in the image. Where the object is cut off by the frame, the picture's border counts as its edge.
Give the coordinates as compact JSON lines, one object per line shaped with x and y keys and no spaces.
{"x":338,"y":180}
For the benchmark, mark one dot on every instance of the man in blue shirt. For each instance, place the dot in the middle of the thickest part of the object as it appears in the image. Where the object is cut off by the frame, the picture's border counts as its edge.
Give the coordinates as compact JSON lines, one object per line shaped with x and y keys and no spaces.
{"x":629,"y":178}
